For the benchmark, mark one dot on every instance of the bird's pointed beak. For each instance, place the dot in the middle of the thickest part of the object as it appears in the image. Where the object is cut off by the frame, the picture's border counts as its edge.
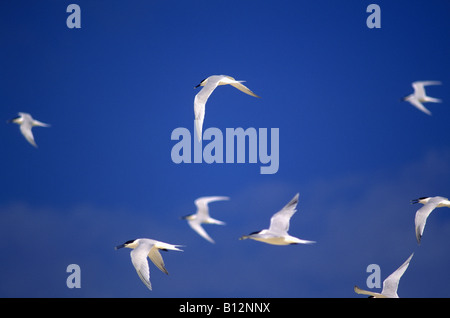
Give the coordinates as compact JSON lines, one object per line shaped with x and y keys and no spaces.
{"x":196,"y":86}
{"x":11,"y":120}
{"x":414,"y":201}
{"x":119,"y":246}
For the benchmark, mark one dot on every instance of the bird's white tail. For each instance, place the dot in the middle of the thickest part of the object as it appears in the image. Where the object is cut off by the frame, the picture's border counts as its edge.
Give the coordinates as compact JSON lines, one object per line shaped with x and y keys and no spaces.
{"x":214,"y":221}
{"x":166,"y":246}
{"x":39,"y":123}
{"x":433,"y":100}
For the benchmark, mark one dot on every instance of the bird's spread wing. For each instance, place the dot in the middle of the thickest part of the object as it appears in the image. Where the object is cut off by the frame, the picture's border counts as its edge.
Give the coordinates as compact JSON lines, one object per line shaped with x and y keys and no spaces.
{"x":199,"y":105}
{"x":202,"y":205}
{"x":422,"y":215}
{"x":157,"y":259}
{"x":415,"y":102}
{"x":197,"y":227}
{"x":199,"y":118}
{"x":390,"y":284}
{"x":25,"y":129}
{"x":366,"y":292}
{"x":279,"y":223}
{"x":243,"y":88}
{"x":419,"y":87}
{"x":139,"y":260}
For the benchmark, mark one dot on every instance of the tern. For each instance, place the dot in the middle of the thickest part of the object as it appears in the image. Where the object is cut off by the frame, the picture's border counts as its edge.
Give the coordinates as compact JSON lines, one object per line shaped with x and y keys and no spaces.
{"x":209,"y":85}
{"x":27,"y":122}
{"x":277,"y":234}
{"x":419,"y":96}
{"x":430,"y":203}
{"x":144,"y":247}
{"x":390,"y":284}
{"x":202,"y":216}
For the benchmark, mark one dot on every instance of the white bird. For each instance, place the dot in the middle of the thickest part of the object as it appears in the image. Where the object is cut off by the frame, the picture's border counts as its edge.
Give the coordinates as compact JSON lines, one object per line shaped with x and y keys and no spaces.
{"x":202,"y":216}
{"x":390,"y":284}
{"x":419,"y":96}
{"x":277,"y":234}
{"x":144,"y":247}
{"x":209,"y":85}
{"x":27,"y":122}
{"x":430,"y":203}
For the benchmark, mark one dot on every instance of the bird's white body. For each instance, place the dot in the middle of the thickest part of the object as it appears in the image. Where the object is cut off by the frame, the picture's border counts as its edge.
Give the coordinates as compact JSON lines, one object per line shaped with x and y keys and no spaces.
{"x":429,"y":204}
{"x":419,"y":96}
{"x":209,"y":85}
{"x":202,"y":216}
{"x":26,"y":123}
{"x":144,"y":247}
{"x":277,"y":233}
{"x":269,"y":237}
{"x":390,"y":284}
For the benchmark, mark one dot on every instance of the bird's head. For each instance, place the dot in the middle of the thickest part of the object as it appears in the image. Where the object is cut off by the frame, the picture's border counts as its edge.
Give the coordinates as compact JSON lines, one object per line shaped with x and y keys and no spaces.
{"x":15,"y":120}
{"x":128,"y":244}
{"x":188,"y":217}
{"x":243,"y":237}
{"x":422,"y":200}
{"x":404,"y":98}
{"x":202,"y":83}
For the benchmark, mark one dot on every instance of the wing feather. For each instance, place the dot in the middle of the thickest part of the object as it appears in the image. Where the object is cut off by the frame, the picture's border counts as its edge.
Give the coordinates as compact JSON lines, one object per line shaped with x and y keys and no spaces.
{"x":279,"y":223}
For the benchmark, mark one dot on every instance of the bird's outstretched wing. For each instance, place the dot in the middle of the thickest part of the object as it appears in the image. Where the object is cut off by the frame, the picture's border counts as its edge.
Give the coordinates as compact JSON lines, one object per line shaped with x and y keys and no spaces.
{"x":199,"y":105}
{"x":197,"y":227}
{"x":157,"y":259}
{"x":419,"y":87}
{"x":243,"y":88}
{"x":390,"y":284}
{"x":416,"y":103}
{"x":279,"y":223}
{"x":140,"y":263}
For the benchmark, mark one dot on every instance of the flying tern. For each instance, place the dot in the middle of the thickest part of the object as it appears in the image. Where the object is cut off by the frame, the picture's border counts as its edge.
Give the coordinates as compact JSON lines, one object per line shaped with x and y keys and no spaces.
{"x":419,"y":96}
{"x":202,"y":216}
{"x":26,"y":123}
{"x":277,"y":234}
{"x":390,"y":284}
{"x":209,"y":85}
{"x":144,"y":247}
{"x":430,"y":203}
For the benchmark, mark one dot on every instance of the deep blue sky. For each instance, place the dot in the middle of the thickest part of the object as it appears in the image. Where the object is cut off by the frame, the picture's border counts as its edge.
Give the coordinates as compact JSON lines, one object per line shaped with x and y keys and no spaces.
{"x":115,"y":90}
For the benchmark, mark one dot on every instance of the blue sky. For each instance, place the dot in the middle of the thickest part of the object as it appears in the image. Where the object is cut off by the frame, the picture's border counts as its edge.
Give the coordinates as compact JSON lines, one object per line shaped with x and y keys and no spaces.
{"x":115,"y":89}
